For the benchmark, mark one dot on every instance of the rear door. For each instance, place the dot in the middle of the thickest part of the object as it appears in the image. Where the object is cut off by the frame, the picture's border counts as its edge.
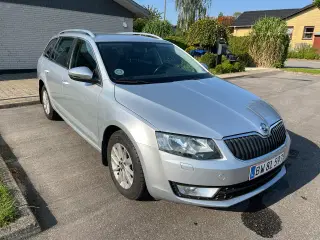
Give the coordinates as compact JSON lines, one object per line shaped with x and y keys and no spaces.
{"x":80,"y":99}
{"x":58,"y":68}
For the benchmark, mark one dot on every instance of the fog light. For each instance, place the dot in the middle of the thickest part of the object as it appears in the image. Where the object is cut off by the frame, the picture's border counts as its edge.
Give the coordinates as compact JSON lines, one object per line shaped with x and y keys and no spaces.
{"x":197,"y":192}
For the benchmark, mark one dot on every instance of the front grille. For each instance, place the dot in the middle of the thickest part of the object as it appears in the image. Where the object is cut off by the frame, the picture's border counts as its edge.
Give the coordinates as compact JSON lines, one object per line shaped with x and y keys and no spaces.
{"x":253,"y":146}
{"x":240,"y":189}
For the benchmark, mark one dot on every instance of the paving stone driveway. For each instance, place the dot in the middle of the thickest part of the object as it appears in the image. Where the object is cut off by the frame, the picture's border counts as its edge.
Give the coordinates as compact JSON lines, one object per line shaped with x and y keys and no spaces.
{"x":74,"y":198}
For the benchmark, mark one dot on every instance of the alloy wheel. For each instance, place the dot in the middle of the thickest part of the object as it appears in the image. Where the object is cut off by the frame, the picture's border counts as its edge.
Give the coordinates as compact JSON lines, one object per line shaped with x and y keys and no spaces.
{"x":121,"y":164}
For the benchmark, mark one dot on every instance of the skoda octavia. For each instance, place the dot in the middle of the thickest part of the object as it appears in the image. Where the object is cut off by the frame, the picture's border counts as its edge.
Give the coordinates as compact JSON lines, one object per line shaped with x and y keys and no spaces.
{"x":164,"y":125}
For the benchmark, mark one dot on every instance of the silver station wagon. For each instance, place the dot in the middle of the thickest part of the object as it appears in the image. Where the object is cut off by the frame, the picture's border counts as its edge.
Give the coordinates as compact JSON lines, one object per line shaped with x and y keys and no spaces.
{"x":164,"y":125}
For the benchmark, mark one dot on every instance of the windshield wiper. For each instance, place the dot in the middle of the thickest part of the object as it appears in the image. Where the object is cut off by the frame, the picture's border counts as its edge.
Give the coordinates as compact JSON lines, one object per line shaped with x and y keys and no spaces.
{"x":127,"y":80}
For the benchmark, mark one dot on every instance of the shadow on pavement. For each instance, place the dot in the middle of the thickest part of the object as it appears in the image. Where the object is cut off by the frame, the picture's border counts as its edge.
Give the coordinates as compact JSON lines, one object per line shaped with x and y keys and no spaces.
{"x":38,"y":206}
{"x":302,"y":167}
{"x":17,"y":75}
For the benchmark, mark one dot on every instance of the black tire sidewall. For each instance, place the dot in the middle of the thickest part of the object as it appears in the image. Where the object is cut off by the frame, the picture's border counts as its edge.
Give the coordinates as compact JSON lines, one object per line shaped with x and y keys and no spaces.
{"x":138,"y":187}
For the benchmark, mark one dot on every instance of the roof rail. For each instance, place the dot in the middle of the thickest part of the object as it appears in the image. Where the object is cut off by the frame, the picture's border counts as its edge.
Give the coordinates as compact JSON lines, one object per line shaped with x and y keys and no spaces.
{"x":87,"y":32}
{"x":141,"y":34}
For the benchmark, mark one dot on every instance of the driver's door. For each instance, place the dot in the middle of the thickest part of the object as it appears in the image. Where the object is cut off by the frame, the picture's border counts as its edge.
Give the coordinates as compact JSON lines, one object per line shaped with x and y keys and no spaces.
{"x":81,"y":99}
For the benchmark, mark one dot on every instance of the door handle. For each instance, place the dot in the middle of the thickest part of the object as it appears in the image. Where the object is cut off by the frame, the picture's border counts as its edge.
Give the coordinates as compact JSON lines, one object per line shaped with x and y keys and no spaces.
{"x":46,"y":71}
{"x":65,"y":83}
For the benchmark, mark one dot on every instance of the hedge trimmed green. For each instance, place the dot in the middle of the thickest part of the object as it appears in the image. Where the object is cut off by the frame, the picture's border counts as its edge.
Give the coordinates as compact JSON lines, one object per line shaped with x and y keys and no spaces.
{"x":209,"y":59}
{"x":179,"y":41}
{"x":206,"y":32}
{"x":158,"y":27}
{"x":239,"y":46}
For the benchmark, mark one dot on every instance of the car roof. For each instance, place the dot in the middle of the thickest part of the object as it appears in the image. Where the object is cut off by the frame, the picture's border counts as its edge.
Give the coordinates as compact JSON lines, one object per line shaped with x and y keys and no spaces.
{"x":125,"y":38}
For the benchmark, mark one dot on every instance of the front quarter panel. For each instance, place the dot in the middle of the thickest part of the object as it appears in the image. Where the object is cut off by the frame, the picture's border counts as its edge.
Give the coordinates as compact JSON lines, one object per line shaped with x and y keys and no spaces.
{"x":113,"y":113}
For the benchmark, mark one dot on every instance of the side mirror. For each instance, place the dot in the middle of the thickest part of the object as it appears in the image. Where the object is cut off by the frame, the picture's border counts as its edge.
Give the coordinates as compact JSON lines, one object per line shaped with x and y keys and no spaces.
{"x":81,"y":74}
{"x":205,"y":66}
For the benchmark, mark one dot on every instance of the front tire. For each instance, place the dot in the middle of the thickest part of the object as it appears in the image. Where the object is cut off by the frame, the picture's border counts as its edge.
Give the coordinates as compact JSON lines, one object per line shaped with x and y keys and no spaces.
{"x":125,"y":167}
{"x":47,"y":107}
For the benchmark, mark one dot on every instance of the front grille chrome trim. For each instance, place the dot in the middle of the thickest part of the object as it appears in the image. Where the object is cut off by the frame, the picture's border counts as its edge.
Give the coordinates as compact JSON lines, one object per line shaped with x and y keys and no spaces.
{"x":253,"y":145}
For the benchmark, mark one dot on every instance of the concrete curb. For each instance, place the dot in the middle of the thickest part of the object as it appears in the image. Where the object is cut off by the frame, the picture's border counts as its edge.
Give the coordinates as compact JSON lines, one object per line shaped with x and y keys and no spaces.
{"x":18,"y":102}
{"x":261,"y":72}
{"x":26,"y":225}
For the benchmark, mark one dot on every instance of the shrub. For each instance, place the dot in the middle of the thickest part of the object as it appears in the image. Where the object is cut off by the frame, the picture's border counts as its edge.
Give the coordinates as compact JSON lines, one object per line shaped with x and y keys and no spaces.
{"x":179,"y":41}
{"x":158,"y":27}
{"x":206,"y":32}
{"x":304,"y":51}
{"x":269,"y":42}
{"x":239,"y":46}
{"x":139,"y":24}
{"x":190,"y":48}
{"x":209,"y":59}
{"x":227,"y":67}
{"x":239,"y":67}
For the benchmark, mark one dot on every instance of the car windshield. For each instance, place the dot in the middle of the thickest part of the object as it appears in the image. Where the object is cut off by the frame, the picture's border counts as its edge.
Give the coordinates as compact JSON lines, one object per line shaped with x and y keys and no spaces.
{"x":148,"y":62}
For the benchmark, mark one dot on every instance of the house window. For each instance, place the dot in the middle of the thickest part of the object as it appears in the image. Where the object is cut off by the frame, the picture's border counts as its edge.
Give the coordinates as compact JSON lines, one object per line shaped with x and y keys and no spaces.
{"x":308,"y":33}
{"x":290,"y":31}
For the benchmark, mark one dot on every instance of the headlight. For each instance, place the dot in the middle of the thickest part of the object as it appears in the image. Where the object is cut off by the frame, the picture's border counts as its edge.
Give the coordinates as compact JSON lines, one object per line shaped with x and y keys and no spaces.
{"x":190,"y":147}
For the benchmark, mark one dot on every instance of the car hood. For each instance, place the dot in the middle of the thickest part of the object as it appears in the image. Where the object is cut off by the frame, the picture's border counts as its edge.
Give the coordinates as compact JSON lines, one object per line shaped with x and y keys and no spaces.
{"x":209,"y":107}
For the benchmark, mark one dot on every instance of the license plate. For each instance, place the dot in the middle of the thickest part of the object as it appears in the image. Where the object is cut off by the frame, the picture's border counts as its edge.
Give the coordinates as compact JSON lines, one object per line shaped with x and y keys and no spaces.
{"x":262,"y":168}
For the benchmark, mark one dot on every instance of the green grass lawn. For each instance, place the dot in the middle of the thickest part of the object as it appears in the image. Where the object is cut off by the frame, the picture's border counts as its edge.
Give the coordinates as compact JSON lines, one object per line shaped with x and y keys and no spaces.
{"x":303,"y":70}
{"x":7,"y":206}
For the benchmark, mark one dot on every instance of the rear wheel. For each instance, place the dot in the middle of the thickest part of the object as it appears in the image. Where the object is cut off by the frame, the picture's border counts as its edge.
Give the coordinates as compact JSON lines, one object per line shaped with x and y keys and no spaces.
{"x":125,"y":167}
{"x":47,"y":107}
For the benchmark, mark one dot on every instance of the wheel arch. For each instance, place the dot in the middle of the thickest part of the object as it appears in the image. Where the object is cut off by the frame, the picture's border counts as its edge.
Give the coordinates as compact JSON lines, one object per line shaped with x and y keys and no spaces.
{"x":41,"y":84}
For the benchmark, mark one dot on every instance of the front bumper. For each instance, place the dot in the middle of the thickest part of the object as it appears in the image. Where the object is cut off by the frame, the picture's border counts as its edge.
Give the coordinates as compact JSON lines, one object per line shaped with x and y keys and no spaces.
{"x":161,"y":168}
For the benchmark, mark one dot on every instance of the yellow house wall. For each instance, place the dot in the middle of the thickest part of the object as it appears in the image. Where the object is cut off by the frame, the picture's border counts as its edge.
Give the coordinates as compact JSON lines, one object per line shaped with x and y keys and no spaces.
{"x":310,"y":18}
{"x":240,"y":32}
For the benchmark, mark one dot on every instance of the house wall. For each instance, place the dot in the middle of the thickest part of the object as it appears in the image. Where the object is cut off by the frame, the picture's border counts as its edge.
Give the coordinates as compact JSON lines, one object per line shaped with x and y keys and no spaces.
{"x":240,"y":32}
{"x":26,"y":29}
{"x":310,"y":17}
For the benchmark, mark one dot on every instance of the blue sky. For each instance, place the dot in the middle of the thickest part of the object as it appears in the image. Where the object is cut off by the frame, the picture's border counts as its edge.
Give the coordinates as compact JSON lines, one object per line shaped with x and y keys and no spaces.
{"x":228,"y":7}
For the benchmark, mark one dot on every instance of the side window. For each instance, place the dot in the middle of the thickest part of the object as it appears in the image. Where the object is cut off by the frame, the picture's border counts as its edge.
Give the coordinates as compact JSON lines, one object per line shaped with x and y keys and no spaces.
{"x":61,"y":51}
{"x":47,"y":52}
{"x":83,"y":56}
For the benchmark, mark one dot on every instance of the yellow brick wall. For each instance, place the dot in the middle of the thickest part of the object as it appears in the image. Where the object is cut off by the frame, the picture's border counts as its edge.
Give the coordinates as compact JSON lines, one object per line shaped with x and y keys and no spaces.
{"x":310,"y":17}
{"x":240,"y":32}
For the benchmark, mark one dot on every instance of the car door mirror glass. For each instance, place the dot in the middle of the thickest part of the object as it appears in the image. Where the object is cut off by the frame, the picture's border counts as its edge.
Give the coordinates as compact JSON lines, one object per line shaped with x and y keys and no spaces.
{"x":82,"y":74}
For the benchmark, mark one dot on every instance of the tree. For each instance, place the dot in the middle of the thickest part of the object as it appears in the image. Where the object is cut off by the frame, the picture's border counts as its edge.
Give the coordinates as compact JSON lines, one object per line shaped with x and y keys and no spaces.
{"x":154,"y":13}
{"x":220,"y":14}
{"x":317,"y":3}
{"x":237,"y":14}
{"x":206,"y":32}
{"x":190,"y":11}
{"x":140,"y":23}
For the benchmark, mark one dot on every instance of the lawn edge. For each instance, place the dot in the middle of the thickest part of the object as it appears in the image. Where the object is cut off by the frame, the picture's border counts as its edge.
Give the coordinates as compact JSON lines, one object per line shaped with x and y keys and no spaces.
{"x":26,"y":225}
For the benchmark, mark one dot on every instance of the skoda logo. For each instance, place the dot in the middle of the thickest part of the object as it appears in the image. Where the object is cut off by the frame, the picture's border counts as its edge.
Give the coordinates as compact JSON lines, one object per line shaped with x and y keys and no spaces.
{"x":264,"y":128}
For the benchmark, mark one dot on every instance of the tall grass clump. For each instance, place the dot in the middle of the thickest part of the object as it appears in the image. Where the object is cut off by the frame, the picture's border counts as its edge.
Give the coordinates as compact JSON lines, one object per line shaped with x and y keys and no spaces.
{"x":269,"y":42}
